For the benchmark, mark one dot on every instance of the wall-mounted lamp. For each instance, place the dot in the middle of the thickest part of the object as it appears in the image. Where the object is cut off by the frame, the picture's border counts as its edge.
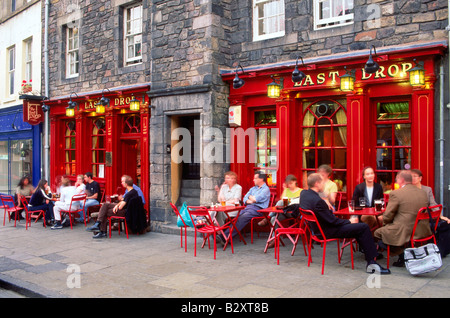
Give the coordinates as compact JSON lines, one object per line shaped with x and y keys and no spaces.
{"x":45,"y":107}
{"x":70,"y":109}
{"x":238,"y":82}
{"x":371,"y":66}
{"x":100,"y":106}
{"x":298,"y":76}
{"x":347,"y":80}
{"x":135,"y":104}
{"x":274,"y":88}
{"x":417,"y":74}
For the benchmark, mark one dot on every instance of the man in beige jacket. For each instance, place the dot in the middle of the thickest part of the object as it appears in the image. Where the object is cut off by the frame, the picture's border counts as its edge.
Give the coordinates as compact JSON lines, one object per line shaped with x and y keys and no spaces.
{"x":400,"y":216}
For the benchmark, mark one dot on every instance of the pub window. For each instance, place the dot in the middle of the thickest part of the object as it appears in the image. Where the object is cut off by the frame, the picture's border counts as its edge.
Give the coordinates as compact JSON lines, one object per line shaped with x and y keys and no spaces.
{"x":72,"y":52}
{"x":28,"y":44}
{"x":11,"y":69}
{"x":393,"y":147}
{"x":132,"y":125}
{"x":133,"y":34}
{"x":98,"y":147}
{"x":70,"y":148}
{"x":325,"y":140}
{"x":266,"y":145}
{"x":332,"y":13}
{"x":268,"y":19}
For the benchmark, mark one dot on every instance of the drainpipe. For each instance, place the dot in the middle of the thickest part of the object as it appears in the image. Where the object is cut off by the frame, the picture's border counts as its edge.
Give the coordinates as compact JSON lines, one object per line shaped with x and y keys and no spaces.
{"x":441,"y":132}
{"x":46,"y":93}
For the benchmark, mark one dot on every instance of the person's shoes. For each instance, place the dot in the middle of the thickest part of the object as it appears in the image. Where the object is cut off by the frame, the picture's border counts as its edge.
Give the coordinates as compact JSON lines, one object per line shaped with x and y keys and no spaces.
{"x":99,"y":235}
{"x":271,"y":244}
{"x":57,"y":226}
{"x":400,"y":262}
{"x":80,"y":220}
{"x":220,"y":240}
{"x":376,"y":268}
{"x":94,"y":228}
{"x":264,"y":222}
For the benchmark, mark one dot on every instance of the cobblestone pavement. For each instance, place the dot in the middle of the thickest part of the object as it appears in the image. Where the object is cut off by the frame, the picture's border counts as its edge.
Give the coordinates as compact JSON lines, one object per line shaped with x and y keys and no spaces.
{"x":70,"y":264}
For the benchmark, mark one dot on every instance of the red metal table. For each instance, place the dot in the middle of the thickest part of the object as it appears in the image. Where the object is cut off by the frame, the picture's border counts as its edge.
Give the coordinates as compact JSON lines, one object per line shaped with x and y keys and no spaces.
{"x":266,"y":213}
{"x":232,"y":220}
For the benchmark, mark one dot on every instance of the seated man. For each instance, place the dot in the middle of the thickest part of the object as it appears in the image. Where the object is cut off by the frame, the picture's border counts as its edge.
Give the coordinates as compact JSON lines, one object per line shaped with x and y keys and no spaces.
{"x":334,"y":227}
{"x":256,"y":199}
{"x":400,"y":216}
{"x":92,"y":194}
{"x":109,"y":209}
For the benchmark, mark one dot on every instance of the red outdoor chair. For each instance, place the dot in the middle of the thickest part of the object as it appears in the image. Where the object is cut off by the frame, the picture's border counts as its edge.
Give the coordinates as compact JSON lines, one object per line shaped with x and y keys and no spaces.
{"x":341,"y":199}
{"x":208,"y":228}
{"x":10,"y":206}
{"x":296,"y":229}
{"x":81,"y":198}
{"x":31,"y":214}
{"x":310,"y":218}
{"x":118,"y":218}
{"x":175,"y":210}
{"x":423,"y":215}
{"x":260,"y":218}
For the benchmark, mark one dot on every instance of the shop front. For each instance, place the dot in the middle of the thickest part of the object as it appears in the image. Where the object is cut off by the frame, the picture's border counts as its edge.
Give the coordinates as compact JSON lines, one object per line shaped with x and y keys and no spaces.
{"x":382,"y":119}
{"x":106,"y":133}
{"x":20,"y":149}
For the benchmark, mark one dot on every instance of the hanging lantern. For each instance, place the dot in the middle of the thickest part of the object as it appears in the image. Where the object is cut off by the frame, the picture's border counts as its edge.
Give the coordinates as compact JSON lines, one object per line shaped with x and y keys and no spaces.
{"x":347,"y":81}
{"x":274,"y":88}
{"x":70,"y":109}
{"x":134,"y":104}
{"x":417,"y":74}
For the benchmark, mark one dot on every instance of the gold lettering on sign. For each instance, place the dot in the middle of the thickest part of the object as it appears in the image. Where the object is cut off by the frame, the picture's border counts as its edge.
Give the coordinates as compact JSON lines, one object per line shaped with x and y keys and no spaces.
{"x":122,"y":101}
{"x":33,"y":113}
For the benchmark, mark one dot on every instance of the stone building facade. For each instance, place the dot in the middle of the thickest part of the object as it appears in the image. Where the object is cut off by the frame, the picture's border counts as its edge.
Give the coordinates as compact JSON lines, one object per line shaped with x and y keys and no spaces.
{"x":189,"y":47}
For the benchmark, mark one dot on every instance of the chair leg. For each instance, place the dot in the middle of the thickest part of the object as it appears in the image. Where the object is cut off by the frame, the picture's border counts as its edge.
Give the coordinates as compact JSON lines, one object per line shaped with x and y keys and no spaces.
{"x":388,"y":252}
{"x":323,"y":256}
{"x":126,"y":227}
{"x":110,"y":228}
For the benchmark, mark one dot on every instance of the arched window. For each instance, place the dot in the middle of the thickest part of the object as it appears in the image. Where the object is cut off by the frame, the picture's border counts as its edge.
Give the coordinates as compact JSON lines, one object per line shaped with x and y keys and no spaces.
{"x":325,"y":139}
{"x":98,"y":147}
{"x":132,"y":124}
{"x":69,"y":148}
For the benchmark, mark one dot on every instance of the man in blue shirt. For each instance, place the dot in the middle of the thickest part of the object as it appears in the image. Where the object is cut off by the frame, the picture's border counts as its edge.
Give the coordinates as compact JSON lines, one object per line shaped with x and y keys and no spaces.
{"x":257,"y":198}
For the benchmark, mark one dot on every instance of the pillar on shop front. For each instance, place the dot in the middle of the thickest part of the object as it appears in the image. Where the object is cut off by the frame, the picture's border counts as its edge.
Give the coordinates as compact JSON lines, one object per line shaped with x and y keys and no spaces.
{"x":358,"y":132}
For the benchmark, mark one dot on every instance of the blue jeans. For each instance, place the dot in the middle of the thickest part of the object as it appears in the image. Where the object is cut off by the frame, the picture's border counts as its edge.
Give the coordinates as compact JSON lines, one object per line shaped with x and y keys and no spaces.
{"x":47,"y":208}
{"x":89,"y":202}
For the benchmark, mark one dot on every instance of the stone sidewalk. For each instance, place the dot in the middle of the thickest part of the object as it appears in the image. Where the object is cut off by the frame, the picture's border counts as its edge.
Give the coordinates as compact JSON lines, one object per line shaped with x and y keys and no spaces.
{"x":50,"y":263}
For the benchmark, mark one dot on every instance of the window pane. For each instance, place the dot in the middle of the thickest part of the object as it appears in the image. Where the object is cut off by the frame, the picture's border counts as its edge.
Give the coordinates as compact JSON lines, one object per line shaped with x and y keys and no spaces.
{"x":402,"y":158}
{"x":384,"y":159}
{"x":402,"y":135}
{"x":4,"y":166}
{"x":21,"y":159}
{"x":340,"y":158}
{"x":385,"y":179}
{"x":323,"y":156}
{"x":384,"y":135}
{"x":309,"y":158}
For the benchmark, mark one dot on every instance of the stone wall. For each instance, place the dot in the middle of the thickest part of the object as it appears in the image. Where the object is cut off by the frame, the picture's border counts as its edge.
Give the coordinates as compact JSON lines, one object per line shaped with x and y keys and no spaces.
{"x":101,"y":46}
{"x":379,"y":23}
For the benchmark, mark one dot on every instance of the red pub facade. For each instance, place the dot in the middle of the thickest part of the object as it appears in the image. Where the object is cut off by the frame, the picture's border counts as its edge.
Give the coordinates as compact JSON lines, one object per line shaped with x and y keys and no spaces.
{"x":108,"y":144}
{"x":383,"y":122}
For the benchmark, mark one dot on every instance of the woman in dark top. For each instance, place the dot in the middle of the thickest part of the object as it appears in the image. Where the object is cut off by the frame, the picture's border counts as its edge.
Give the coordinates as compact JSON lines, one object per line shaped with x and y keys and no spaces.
{"x":42,"y":200}
{"x":370,"y":190}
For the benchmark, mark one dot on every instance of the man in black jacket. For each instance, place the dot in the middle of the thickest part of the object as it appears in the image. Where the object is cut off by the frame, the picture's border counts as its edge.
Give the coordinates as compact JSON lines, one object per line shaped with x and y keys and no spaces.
{"x":334,"y":227}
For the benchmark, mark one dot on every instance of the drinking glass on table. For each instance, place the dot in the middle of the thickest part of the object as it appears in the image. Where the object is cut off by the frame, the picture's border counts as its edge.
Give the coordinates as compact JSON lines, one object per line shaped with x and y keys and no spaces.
{"x":351,"y":206}
{"x":362,"y":202}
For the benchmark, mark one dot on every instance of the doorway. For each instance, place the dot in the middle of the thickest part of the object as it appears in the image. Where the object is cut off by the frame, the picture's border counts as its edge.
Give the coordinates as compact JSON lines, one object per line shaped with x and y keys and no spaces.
{"x":130,"y":150}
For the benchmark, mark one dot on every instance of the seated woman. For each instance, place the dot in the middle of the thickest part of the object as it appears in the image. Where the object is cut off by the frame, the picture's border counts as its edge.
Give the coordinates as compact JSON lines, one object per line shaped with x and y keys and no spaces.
{"x":24,"y":189}
{"x":42,"y":200}
{"x":330,"y":191}
{"x":291,"y":191}
{"x":230,"y":192}
{"x":370,"y":191}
